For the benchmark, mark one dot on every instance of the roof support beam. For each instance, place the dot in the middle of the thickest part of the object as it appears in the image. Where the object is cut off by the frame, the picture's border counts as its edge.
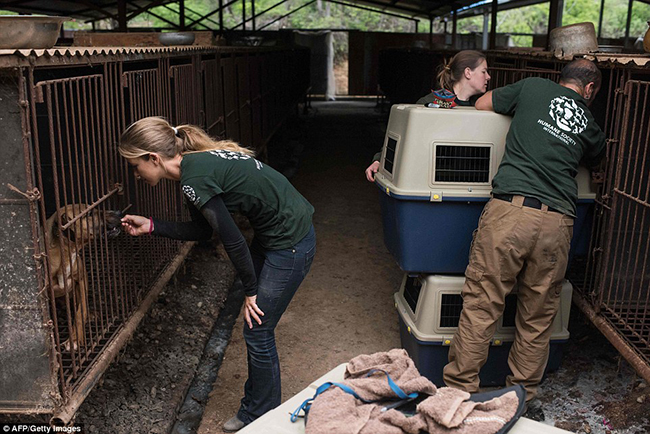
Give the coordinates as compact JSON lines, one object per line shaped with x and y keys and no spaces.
{"x":221,"y":6}
{"x":121,"y":16}
{"x":628,"y":43}
{"x":181,"y":14}
{"x":139,"y":10}
{"x":600,"y":17}
{"x":287,"y":14}
{"x":555,"y":14}
{"x":253,"y":13}
{"x":373,"y":10}
{"x":243,"y":15}
{"x":400,"y":8}
{"x":209,"y":14}
{"x":260,"y":14}
{"x":189,"y":10}
{"x":93,"y":6}
{"x":493,"y":25}
{"x":454,"y":27}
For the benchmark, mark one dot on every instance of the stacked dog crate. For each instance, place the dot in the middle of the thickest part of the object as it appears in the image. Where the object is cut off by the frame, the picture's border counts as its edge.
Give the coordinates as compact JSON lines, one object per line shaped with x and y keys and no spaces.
{"x":435,"y":177}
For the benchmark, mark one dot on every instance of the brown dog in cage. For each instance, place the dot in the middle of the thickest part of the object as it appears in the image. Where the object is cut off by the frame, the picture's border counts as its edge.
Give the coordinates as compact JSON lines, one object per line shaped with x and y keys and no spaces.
{"x":67,"y":269}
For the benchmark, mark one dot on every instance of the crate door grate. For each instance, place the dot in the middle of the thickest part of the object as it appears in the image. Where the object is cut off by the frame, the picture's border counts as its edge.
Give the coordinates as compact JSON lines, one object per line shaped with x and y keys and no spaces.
{"x":466,"y":163}
{"x":389,"y":158}
{"x":412,"y":289}
{"x":452,"y":304}
{"x":450,"y":307}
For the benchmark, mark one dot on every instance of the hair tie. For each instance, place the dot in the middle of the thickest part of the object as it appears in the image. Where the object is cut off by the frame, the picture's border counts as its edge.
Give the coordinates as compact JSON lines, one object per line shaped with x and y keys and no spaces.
{"x":175,"y":131}
{"x":447,"y":68}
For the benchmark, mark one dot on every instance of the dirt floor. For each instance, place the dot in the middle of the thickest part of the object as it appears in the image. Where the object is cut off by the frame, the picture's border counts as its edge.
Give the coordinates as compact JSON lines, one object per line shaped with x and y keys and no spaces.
{"x":344,"y":308}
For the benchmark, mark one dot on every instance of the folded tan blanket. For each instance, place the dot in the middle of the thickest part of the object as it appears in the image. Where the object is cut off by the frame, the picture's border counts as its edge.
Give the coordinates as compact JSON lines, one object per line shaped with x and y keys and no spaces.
{"x":446,"y":410}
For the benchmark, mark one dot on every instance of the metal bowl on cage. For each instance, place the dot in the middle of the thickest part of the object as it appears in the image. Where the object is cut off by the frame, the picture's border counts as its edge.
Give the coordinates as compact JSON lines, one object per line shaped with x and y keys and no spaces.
{"x":176,"y":38}
{"x":29,"y":31}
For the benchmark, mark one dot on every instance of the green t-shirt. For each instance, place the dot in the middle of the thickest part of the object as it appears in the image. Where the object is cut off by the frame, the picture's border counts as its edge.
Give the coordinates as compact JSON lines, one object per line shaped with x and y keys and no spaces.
{"x":279,"y":215}
{"x":552,"y":130}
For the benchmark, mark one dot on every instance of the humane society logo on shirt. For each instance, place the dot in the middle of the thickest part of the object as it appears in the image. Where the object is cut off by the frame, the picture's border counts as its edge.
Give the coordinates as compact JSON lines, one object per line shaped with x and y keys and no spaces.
{"x":232,"y":155}
{"x":568,"y":116}
{"x":191,"y":195}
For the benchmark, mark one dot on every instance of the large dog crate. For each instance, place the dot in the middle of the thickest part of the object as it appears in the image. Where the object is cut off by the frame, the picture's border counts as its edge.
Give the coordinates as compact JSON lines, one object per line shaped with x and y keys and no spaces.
{"x":62,"y":113}
{"x":429,"y":308}
{"x":435,"y":177}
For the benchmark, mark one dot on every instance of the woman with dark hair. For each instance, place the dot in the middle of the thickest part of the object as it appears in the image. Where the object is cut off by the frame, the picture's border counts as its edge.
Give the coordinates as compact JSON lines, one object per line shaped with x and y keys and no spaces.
{"x":462,"y":81}
{"x":219,"y":177}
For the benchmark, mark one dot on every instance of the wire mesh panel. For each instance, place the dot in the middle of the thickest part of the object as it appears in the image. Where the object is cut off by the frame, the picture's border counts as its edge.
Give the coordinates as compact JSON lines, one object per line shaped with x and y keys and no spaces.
{"x":623,"y":283}
{"x":72,"y":154}
{"x":186,"y":96}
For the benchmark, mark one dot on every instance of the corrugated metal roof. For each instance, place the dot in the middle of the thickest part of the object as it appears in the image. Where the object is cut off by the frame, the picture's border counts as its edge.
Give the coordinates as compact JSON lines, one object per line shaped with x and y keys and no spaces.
{"x":75,"y":55}
{"x":101,"y":9}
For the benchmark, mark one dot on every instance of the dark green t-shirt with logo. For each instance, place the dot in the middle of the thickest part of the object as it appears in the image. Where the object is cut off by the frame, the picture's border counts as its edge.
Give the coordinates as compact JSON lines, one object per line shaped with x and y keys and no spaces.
{"x":279,"y":215}
{"x":552,"y":130}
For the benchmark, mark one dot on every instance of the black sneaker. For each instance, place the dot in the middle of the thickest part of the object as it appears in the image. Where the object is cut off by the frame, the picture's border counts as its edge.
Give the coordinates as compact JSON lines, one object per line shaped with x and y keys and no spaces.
{"x":233,"y":425}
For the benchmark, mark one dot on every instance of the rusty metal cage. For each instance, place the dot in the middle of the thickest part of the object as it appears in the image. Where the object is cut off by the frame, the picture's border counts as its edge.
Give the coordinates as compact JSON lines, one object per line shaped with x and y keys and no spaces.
{"x":71,"y":294}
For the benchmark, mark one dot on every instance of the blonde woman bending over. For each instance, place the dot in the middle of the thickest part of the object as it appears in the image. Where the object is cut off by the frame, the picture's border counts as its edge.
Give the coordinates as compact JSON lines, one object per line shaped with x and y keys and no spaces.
{"x":217,"y":178}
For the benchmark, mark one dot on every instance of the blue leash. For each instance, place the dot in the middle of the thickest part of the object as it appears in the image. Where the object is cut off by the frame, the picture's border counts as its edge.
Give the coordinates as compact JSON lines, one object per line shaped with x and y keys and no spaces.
{"x":306,"y":405}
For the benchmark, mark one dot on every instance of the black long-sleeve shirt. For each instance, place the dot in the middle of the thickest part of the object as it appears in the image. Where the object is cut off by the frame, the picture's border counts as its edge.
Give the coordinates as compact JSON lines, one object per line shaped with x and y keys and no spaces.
{"x":214,"y":217}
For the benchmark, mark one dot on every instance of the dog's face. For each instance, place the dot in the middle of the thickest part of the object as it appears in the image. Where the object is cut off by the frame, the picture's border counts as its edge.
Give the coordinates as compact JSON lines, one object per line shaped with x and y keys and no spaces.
{"x":91,"y":225}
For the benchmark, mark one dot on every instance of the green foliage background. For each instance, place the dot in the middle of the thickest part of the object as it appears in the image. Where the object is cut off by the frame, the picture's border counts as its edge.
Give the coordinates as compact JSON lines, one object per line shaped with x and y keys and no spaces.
{"x":325,"y":15}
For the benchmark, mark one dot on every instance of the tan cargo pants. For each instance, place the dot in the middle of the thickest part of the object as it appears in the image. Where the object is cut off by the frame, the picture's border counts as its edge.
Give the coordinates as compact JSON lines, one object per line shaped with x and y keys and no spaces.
{"x":512,"y":244}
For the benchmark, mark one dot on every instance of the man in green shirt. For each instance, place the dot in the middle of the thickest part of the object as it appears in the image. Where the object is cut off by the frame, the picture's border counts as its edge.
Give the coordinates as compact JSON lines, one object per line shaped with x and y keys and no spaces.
{"x":525,"y":230}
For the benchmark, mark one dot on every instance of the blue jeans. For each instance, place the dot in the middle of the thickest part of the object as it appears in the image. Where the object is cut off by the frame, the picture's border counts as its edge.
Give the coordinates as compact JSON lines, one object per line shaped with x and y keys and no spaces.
{"x":279,"y":274}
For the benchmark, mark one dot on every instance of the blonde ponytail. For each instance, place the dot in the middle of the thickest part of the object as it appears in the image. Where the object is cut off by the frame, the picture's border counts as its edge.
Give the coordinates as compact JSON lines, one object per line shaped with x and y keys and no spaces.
{"x":194,"y":139}
{"x":156,"y":135}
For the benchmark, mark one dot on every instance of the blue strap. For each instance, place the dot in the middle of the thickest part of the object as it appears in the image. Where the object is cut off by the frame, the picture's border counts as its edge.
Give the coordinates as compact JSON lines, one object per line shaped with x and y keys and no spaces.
{"x":399,"y":392}
{"x":306,"y":405}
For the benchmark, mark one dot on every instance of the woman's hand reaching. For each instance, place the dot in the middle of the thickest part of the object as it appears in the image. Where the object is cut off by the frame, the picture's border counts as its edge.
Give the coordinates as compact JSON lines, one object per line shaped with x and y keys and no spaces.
{"x":251,"y":310}
{"x":371,"y":170}
{"x":136,"y":225}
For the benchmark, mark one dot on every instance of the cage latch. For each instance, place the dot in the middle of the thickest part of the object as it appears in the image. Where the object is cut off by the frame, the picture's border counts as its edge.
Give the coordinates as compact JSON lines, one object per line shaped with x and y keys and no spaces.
{"x":31,"y":195}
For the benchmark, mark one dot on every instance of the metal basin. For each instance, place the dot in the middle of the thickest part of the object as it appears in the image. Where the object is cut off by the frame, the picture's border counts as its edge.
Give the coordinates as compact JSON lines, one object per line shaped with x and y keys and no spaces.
{"x":29,"y":31}
{"x":574,"y":39}
{"x":176,"y":38}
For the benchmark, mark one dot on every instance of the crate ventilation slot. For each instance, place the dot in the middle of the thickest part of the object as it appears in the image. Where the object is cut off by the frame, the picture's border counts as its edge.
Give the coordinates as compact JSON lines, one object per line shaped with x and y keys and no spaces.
{"x":469,"y":164}
{"x":412,"y":291}
{"x":389,"y":158}
{"x":452,"y":305}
